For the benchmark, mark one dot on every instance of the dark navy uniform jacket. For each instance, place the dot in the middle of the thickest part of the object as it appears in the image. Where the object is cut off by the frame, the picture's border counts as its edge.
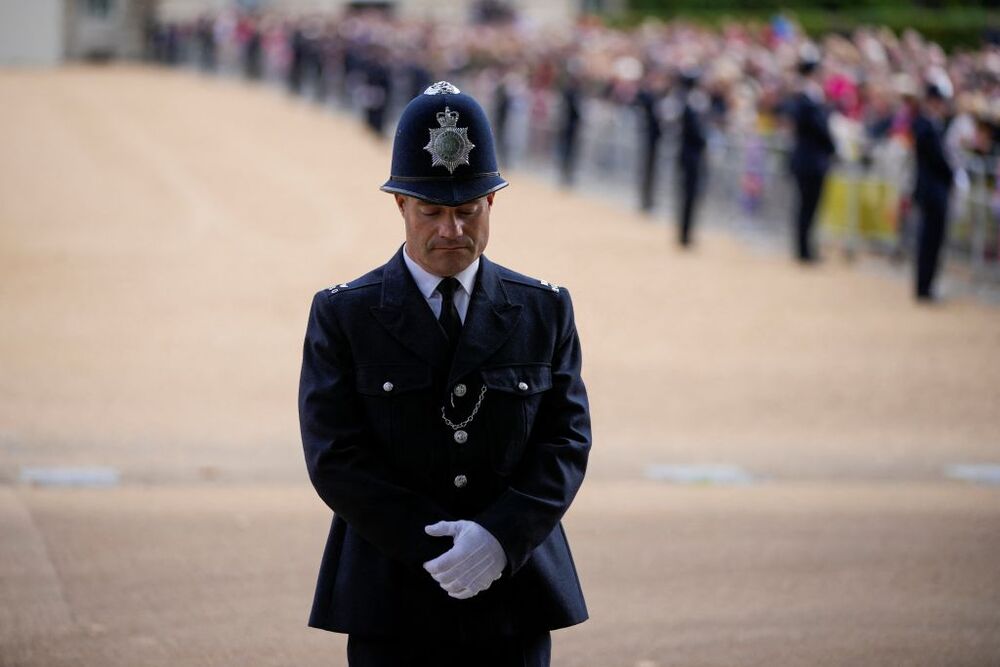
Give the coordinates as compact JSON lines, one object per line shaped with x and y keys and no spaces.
{"x":692,"y":143}
{"x":375,"y":376}
{"x":934,"y":173}
{"x":813,"y":143}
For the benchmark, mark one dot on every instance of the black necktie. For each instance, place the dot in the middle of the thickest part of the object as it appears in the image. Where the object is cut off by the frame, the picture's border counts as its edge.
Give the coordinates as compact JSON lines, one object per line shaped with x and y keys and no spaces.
{"x":449,"y":319}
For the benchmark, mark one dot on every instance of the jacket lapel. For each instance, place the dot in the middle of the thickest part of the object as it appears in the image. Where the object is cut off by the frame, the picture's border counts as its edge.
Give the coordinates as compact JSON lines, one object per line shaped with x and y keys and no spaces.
{"x":488,"y":323}
{"x":404,"y":313}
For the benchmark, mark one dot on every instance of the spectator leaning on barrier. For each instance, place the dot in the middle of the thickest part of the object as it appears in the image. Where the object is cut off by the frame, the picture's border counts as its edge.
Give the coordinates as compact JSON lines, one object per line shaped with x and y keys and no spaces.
{"x":445,"y":422}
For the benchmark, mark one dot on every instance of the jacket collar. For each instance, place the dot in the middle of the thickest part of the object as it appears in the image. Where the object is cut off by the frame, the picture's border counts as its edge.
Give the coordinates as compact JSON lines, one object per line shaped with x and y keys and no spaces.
{"x":427,"y":282}
{"x":404,"y":313}
{"x":489,"y":322}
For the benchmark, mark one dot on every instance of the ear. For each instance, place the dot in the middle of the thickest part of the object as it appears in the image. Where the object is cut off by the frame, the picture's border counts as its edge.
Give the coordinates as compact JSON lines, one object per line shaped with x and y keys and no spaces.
{"x":400,"y":201}
{"x":489,"y":199}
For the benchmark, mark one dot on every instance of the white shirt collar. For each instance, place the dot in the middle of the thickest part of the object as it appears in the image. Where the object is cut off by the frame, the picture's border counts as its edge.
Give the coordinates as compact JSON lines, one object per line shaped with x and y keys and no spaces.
{"x":427,"y":282}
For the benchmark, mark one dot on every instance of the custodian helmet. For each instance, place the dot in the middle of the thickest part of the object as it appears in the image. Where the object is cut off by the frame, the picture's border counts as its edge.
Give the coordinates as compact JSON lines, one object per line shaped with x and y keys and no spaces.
{"x":809,"y":58}
{"x":443,"y":149}
{"x":938,"y":85}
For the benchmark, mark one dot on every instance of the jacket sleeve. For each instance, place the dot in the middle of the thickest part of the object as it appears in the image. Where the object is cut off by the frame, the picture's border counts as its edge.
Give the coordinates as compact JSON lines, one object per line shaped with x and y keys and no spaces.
{"x":342,"y":465}
{"x":549,"y":474}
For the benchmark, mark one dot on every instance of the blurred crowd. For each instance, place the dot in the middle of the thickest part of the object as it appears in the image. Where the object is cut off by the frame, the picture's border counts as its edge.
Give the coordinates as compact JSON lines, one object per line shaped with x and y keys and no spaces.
{"x":570,"y":82}
{"x":747,"y":70}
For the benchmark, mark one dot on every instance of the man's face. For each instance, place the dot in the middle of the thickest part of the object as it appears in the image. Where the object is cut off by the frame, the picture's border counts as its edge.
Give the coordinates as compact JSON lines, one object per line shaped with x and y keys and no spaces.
{"x":445,"y":239}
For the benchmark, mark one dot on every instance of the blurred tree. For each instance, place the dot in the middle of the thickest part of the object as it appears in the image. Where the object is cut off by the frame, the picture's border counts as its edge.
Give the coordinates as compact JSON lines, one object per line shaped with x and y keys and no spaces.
{"x":951,"y":23}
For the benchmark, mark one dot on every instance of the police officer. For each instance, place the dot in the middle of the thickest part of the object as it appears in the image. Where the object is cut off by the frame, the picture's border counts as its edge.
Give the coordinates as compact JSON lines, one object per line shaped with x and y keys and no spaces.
{"x":569,"y":128}
{"x":298,"y":47}
{"x":811,"y":153}
{"x":932,"y":188}
{"x":377,"y":89}
{"x":503,"y":101}
{"x":205,"y":32}
{"x":647,"y":103}
{"x":252,"y":49}
{"x":690,"y":160}
{"x":445,"y":423}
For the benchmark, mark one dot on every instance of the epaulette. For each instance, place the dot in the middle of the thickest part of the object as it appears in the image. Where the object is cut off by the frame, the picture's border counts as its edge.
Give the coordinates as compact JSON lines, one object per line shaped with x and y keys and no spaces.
{"x":357,"y":284}
{"x":367,"y":280}
{"x":552,"y":286}
{"x":527,"y":281}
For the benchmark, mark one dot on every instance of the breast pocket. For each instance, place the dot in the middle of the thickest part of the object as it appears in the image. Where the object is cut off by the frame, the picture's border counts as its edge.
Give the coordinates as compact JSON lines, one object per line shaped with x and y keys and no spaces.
{"x":396,"y":399}
{"x":514,"y":395}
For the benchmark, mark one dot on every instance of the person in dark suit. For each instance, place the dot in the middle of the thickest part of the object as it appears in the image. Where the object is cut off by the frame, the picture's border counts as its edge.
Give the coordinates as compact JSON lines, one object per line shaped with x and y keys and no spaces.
{"x":811,"y":153}
{"x":569,"y":127}
{"x":690,"y":156}
{"x":252,"y":49}
{"x":205,"y":31}
{"x":503,"y":100}
{"x":647,"y":104}
{"x":445,"y":423}
{"x":298,"y":48}
{"x":377,"y":90}
{"x":932,"y":188}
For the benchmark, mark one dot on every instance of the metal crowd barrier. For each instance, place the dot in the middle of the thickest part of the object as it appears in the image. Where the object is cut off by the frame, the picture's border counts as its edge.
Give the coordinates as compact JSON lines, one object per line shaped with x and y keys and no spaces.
{"x":747,"y":187}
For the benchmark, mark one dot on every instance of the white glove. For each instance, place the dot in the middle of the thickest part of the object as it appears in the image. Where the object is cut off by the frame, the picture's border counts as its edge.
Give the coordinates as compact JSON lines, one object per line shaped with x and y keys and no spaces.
{"x":474,"y":562}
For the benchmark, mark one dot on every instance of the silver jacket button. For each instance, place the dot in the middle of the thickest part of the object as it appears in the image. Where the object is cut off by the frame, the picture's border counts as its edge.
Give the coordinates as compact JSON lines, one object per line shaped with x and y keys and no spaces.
{"x":460,"y":390}
{"x":461,"y":481}
{"x":461,"y":437}
{"x":522,"y":386}
{"x":387,"y":387}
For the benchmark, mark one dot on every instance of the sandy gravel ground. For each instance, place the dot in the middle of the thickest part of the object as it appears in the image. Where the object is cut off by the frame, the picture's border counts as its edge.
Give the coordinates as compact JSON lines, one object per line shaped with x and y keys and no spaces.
{"x":161,"y":236}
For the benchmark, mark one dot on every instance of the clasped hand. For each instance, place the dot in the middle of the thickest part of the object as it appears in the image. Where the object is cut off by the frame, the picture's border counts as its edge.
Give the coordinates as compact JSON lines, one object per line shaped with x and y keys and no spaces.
{"x":473,"y":563}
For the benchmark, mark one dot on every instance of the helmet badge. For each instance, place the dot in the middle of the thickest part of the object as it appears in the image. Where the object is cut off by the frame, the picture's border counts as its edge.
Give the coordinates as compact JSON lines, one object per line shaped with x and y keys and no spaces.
{"x":449,"y":145}
{"x":442,"y":88}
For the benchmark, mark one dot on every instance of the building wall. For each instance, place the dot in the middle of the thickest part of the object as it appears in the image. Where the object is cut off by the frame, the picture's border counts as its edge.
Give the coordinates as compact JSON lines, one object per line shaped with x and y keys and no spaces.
{"x":453,"y":10}
{"x":117,"y":34}
{"x":31,"y":32}
{"x":187,"y":10}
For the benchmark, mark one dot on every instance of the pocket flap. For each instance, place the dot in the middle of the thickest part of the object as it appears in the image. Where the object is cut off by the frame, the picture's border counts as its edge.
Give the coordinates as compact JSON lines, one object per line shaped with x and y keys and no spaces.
{"x":523,"y":379}
{"x":391,"y":379}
